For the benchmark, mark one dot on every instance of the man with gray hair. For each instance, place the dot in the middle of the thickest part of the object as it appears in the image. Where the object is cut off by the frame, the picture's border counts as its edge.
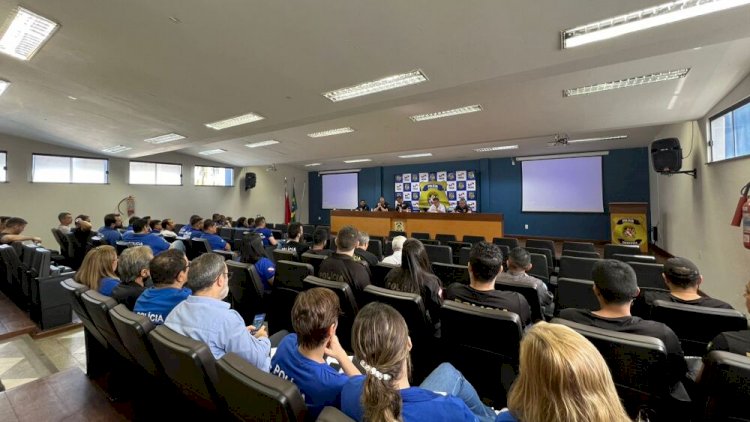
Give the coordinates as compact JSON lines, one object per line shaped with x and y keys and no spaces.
{"x":361,"y":253}
{"x":135,"y":276}
{"x":519,"y":261}
{"x":398,"y":245}
{"x":206,"y":317}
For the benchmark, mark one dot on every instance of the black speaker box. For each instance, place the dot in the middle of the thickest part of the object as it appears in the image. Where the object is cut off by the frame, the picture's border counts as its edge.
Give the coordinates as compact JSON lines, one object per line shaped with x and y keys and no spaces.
{"x":666,"y":155}
{"x":249,"y":180}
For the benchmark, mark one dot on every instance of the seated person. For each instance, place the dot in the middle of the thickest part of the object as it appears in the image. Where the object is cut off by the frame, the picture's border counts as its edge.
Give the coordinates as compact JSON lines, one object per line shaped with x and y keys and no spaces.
{"x":381,"y":343}
{"x":615,"y":288}
{"x":250,"y":222}
{"x":461,"y":207}
{"x":167,"y":228}
{"x":294,"y":240}
{"x":341,"y":265}
{"x":134,"y":275}
{"x":132,"y":220}
{"x":558,"y":366}
{"x":400,"y":205}
{"x":362,"y":206}
{"x":397,"y":244}
{"x":734,"y":341}
{"x":519,"y":261}
{"x":141,"y":236}
{"x":65,"y":218}
{"x":13,"y":229}
{"x":241,"y":223}
{"x":361,"y":253}
{"x":109,"y":231}
{"x":301,"y":357}
{"x":214,"y":240}
{"x":206,"y":317}
{"x":381,"y":205}
{"x":253,"y":252}
{"x":436,"y":206}
{"x":155,"y":226}
{"x":98,"y":270}
{"x":169,"y":272}
{"x":195,"y":221}
{"x":3,"y":219}
{"x":320,"y":239}
{"x":485,"y":263}
{"x":266,"y":235}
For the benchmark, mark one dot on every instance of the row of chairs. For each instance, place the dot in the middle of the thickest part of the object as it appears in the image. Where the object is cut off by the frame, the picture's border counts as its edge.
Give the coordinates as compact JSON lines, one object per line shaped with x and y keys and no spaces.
{"x":648,"y":274}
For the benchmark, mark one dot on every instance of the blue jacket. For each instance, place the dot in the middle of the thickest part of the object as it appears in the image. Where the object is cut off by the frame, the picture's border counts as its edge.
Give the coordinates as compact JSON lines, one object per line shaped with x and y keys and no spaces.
{"x":153,"y":241}
{"x":157,"y":303}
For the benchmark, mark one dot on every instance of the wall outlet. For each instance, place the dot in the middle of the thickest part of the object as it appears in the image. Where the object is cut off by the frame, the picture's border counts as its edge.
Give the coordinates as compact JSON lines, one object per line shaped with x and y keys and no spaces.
{"x":526,"y":226}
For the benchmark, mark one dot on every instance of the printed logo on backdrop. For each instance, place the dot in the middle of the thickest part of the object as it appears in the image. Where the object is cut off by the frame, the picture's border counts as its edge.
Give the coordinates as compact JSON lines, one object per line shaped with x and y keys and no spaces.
{"x":399,"y":187}
{"x":447,"y":186}
{"x":442,"y":176}
{"x":424,"y":177}
{"x":461,"y":175}
{"x":451,"y":186}
{"x":461,"y":186}
{"x":398,"y":178}
{"x":471,"y":185}
{"x":472,"y":205}
{"x":452,"y":196}
{"x":470,"y":175}
{"x":414,"y":197}
{"x":433,"y":177}
{"x":414,"y":177}
{"x":461,"y":194}
{"x":471,"y":196}
{"x":414,"y":187}
{"x":451,"y":175}
{"x":406,"y":177}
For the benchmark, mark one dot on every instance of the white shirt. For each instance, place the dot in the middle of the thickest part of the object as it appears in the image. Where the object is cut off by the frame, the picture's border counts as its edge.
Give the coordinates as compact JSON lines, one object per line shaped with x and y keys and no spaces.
{"x":168,"y":233}
{"x":394,"y":259}
{"x":439,"y":208}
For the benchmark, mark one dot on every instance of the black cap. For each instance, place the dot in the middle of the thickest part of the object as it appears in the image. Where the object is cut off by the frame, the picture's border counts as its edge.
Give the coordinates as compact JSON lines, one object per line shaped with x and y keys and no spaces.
{"x":681,"y":268}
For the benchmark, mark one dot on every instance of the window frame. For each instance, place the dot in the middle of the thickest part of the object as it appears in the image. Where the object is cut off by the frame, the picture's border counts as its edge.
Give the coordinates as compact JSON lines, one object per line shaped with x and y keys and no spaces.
{"x":195,"y":167}
{"x":742,"y":103}
{"x":70,"y":157}
{"x":6,"y":166}
{"x":155,"y":163}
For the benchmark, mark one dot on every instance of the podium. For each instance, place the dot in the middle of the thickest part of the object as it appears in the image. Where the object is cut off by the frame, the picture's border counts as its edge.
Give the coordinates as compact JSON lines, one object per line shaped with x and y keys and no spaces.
{"x":629,"y":224}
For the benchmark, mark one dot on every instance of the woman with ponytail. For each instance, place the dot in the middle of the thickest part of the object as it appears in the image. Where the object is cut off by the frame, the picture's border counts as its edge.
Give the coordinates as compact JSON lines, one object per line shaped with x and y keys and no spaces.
{"x":381,"y":343}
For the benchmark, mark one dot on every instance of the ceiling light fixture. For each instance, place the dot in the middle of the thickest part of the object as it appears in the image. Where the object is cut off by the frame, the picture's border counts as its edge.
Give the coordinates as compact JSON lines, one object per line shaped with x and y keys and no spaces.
{"x":500,"y":148}
{"x":379,"y":85}
{"x":212,"y":151}
{"x":25,"y":34}
{"x":359,"y":160}
{"x":312,"y":164}
{"x":604,"y":138}
{"x":262,"y":143}
{"x":117,"y":148}
{"x":447,"y":113}
{"x":331,"y":132}
{"x":70,"y":97}
{"x":423,"y":154}
{"x":235,"y":121}
{"x":627,"y":83}
{"x":163,"y":139}
{"x":639,"y":20}
{"x":3,"y":86}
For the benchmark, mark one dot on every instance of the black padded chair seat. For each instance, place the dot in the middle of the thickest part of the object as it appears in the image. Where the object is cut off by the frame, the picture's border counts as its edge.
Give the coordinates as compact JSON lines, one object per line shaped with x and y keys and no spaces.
{"x":726,"y":381}
{"x":133,"y":330}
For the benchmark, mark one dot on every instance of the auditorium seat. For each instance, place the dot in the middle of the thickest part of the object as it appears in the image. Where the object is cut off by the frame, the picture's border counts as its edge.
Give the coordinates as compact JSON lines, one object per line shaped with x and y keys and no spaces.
{"x":575,"y":293}
{"x":331,"y":414}
{"x":473,"y":239}
{"x":539,"y":268}
{"x":696,"y":326}
{"x":439,"y":253}
{"x":347,"y":302}
{"x":612,"y":249}
{"x":96,"y":344}
{"x":442,"y":238}
{"x":420,"y":236}
{"x":379,"y":272}
{"x":24,"y":270}
{"x":430,"y":241}
{"x":283,"y":255}
{"x":269,"y":252}
{"x":278,"y":234}
{"x":61,"y":241}
{"x":133,"y":330}
{"x":313,"y":259}
{"x":394,"y":233}
{"x":463,"y":256}
{"x":50,"y":306}
{"x":226,"y":233}
{"x":451,"y":273}
{"x":456,"y":249}
{"x":246,"y":290}
{"x":574,"y":267}
{"x":375,"y":247}
{"x":528,"y":292}
{"x":581,"y":254}
{"x":200,"y":246}
{"x":649,"y":275}
{"x":228,"y":255}
{"x":290,"y":274}
{"x":510,"y":242}
{"x":645,"y":259}
{"x":280,"y":309}
{"x":547,"y":254}
{"x":254,"y":395}
{"x":11,"y":264}
{"x":98,"y":307}
{"x":542,"y":244}
{"x":578,"y":246}
{"x":726,"y":382}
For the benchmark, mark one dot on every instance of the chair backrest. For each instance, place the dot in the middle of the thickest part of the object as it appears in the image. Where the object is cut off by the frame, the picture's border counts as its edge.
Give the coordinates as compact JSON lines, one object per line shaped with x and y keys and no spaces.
{"x":646,"y":259}
{"x":11,"y":263}
{"x":394,"y":233}
{"x":430,"y":241}
{"x":284,"y":255}
{"x":290,"y":274}
{"x":278,"y":234}
{"x":539,"y":267}
{"x":581,"y":254}
{"x":246,"y":290}
{"x":61,"y":240}
{"x":269,"y":252}
{"x":133,"y":330}
{"x":375,"y":247}
{"x":726,"y":382}
{"x":541,"y":244}
{"x":313,"y":259}
{"x":510,"y":242}
{"x":379,"y":272}
{"x":121,"y":245}
{"x":575,"y":293}
{"x":225,"y":233}
{"x":473,"y":239}
{"x":41,"y":262}
{"x":200,"y":246}
{"x":308,"y":229}
{"x":254,"y":395}
{"x":98,"y":306}
{"x":409,"y":305}
{"x":445,"y":237}
{"x":439,"y":253}
{"x":574,"y":267}
{"x":451,"y":273}
{"x":696,"y":326}
{"x":280,"y":310}
{"x":331,"y":414}
{"x":188,"y":364}
{"x":612,"y":249}
{"x":75,"y":290}
{"x":547,"y":254}
{"x":649,"y":275}
{"x":578,"y":246}
{"x":463,"y":256}
{"x":456,"y":246}
{"x":347,"y":302}
{"x":420,"y":236}
{"x":27,"y":255}
{"x":528,"y":292}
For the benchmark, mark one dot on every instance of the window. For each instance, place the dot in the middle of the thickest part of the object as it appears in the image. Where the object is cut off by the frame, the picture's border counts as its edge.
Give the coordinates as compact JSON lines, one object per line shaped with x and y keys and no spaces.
{"x":213,"y":176}
{"x":155,"y":174}
{"x":62,"y":169}
{"x":730,"y":132}
{"x":3,"y":166}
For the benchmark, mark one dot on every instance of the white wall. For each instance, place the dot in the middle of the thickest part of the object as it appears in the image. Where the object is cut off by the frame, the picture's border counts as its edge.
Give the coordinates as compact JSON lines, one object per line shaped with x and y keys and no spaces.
{"x":39,"y":203}
{"x":267,"y":198}
{"x":693,"y":216}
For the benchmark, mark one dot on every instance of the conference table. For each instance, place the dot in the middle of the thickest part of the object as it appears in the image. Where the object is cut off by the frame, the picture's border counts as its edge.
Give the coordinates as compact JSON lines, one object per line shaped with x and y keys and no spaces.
{"x":378,"y":223}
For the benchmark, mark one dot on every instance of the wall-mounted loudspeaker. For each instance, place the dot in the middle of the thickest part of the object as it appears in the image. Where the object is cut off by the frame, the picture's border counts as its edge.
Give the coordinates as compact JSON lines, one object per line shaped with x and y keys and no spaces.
{"x":249,"y":180}
{"x":666,"y":154}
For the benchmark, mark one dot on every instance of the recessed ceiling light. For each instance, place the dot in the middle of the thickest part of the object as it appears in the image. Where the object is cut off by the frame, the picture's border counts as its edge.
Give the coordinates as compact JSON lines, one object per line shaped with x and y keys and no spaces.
{"x":500,"y":148}
{"x":163,"y":139}
{"x":312,"y":164}
{"x":235,"y":121}
{"x":331,"y":132}
{"x":605,"y":138}
{"x":423,"y":154}
{"x":262,"y":143}
{"x":379,"y":85}
{"x":117,"y":148}
{"x":447,"y":113}
{"x":626,"y":83}
{"x":359,"y":160}
{"x":70,"y":97}
{"x":212,"y":151}
{"x":639,"y":20}
{"x":3,"y":86}
{"x":25,"y":34}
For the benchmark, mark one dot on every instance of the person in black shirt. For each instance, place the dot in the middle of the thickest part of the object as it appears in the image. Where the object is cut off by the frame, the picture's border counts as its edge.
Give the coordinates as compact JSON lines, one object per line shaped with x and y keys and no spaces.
{"x":362,"y":206}
{"x":361,"y":253}
{"x":462,"y":207}
{"x":341,"y":265}
{"x":734,"y":341}
{"x":615,"y":288}
{"x":14,"y":226}
{"x":320,"y":238}
{"x":294,"y":235}
{"x":400,"y":205}
{"x":133,"y":267}
{"x":381,"y":205}
{"x":485,"y":263}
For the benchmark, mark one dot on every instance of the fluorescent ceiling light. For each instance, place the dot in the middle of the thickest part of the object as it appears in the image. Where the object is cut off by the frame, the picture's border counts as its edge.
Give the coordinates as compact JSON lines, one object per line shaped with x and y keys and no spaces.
{"x":117,"y":148}
{"x":212,"y":151}
{"x":262,"y":143}
{"x":605,"y":138}
{"x":447,"y":113}
{"x":359,"y":160}
{"x":644,"y":19}
{"x":331,"y":132}
{"x":25,"y":34}
{"x":163,"y":139}
{"x":312,"y":164}
{"x":500,"y":148}
{"x":3,"y":86}
{"x":626,"y":83}
{"x":423,"y":154}
{"x":235,"y":121}
{"x":379,"y":85}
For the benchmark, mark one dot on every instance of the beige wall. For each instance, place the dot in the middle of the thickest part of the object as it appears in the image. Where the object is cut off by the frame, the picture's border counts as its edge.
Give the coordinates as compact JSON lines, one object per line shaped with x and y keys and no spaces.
{"x":39,"y":203}
{"x":267,"y":198}
{"x":693,"y":216}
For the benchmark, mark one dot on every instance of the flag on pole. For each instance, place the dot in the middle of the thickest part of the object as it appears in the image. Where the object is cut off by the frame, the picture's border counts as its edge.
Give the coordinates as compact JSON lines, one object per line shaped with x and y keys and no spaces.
{"x":294,"y":205}
{"x":287,"y":209}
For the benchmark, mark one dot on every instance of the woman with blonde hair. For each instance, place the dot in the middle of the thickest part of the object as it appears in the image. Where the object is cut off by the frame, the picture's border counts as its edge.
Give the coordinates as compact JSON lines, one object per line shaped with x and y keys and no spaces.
{"x":563,"y":378}
{"x":98,"y":270}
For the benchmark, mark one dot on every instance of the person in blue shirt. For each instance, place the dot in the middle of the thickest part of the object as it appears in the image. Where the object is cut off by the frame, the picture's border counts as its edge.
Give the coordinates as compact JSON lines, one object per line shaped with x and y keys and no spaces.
{"x":98,"y":270}
{"x":141,"y":236}
{"x":131,"y":221}
{"x":206,"y":317}
{"x":196,"y":222}
{"x":301,"y":357}
{"x":265,"y":234}
{"x":381,"y":343}
{"x":109,"y":231}
{"x":214,"y":240}
{"x":169,"y":272}
{"x":155,"y":226}
{"x":253,"y":252}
